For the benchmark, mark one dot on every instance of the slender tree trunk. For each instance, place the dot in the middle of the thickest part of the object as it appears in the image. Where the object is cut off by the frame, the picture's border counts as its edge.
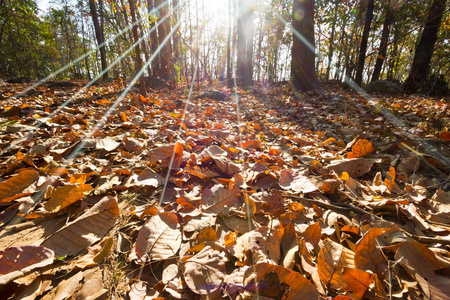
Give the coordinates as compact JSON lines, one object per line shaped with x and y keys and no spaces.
{"x":303,"y":75}
{"x":331,"y":50}
{"x":245,"y":42}
{"x":364,"y":39}
{"x":424,"y":51}
{"x":99,"y":36}
{"x":142,"y":87}
{"x":393,"y":56}
{"x":384,"y":40}
{"x":154,"y":42}
{"x":229,"y":42}
{"x":175,"y":40}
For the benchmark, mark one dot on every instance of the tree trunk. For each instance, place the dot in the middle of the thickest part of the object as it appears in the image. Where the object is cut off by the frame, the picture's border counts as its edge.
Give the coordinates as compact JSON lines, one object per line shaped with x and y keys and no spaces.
{"x":384,"y":40}
{"x":165,"y":57}
{"x":154,"y":44}
{"x":364,"y":39}
{"x":99,"y":36}
{"x":245,"y":42}
{"x":424,"y":52}
{"x":331,"y":50}
{"x":142,"y":87}
{"x":303,"y":75}
{"x":229,"y":42}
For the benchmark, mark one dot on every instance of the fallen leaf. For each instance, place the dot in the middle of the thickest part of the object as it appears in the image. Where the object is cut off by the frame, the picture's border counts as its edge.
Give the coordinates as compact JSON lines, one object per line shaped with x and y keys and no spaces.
{"x":289,"y":284}
{"x":85,"y":230}
{"x":16,"y":184}
{"x":67,"y":287}
{"x":204,"y":272}
{"x":17,"y":261}
{"x":358,"y":281}
{"x":159,"y":238}
{"x":421,"y":263}
{"x":64,"y":196}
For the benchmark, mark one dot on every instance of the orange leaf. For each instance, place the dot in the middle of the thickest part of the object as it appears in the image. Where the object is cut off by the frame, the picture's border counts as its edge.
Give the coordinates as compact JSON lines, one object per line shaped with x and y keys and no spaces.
{"x":207,"y":235}
{"x":357,"y":280}
{"x":368,"y":256}
{"x":16,"y":184}
{"x":361,"y":148}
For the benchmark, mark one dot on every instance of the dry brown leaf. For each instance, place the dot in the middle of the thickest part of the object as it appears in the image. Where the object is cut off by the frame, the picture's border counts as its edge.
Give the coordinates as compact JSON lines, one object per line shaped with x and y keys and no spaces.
{"x":358,"y":281}
{"x":16,"y":184}
{"x":355,"y":167}
{"x":368,"y":256}
{"x":67,"y":287}
{"x":91,"y":290}
{"x":215,"y":199}
{"x":159,"y":238}
{"x":204,"y":272}
{"x":421,"y":263}
{"x":85,"y":230}
{"x":332,"y":260}
{"x":275,"y":281}
{"x":64,"y":196}
{"x":296,"y":182}
{"x":17,"y":261}
{"x":95,"y":254}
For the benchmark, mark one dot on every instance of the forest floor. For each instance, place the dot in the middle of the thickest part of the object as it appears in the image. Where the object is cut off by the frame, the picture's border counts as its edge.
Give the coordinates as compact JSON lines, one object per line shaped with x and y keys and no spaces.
{"x":257,"y":196}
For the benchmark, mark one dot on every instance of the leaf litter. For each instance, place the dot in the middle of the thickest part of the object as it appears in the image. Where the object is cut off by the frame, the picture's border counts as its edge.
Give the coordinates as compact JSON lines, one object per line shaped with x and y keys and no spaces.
{"x":312,"y":198}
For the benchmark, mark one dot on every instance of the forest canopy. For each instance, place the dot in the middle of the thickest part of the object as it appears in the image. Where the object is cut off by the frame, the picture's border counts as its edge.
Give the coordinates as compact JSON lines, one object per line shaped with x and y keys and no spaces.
{"x":222,"y":36}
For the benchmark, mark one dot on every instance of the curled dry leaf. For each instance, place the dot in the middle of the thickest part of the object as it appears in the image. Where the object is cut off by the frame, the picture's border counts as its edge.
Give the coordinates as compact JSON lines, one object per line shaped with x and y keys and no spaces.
{"x":17,"y":261}
{"x":204,"y":272}
{"x":159,"y":238}
{"x":85,"y":230}
{"x":16,"y":184}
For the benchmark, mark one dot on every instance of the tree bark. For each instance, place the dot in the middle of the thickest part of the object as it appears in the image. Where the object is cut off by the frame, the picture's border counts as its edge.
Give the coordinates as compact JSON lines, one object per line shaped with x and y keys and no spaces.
{"x":364,"y":39}
{"x":142,"y":87}
{"x":154,"y":44}
{"x":229,"y":42}
{"x":424,"y":51}
{"x":303,"y":75}
{"x":165,"y":58}
{"x":245,"y":43}
{"x":100,"y":37}
{"x":331,"y":50}
{"x":384,"y":40}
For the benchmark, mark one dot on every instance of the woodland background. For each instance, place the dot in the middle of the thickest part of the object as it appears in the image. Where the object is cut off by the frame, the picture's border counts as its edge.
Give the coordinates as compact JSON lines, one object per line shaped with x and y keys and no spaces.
{"x":254,"y":35}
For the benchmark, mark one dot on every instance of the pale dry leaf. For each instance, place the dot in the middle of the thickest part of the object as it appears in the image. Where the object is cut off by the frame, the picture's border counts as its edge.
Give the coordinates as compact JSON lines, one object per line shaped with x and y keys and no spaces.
{"x":91,"y":290}
{"x":216,"y":198}
{"x":421,"y":263}
{"x":355,"y":167}
{"x":296,"y":182}
{"x":85,"y":230}
{"x":204,"y":272}
{"x":159,"y":238}
{"x":67,"y":287}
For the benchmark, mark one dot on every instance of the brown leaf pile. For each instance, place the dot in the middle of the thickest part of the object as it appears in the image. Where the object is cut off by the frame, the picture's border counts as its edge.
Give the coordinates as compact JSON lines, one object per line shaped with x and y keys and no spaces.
{"x":263,"y":197}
